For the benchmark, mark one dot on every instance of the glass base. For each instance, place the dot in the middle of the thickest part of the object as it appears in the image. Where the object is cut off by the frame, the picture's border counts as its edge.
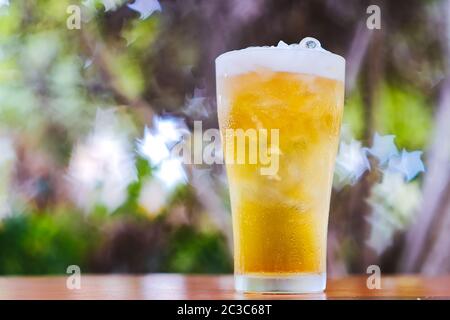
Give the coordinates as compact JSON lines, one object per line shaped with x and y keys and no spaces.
{"x":302,"y":283}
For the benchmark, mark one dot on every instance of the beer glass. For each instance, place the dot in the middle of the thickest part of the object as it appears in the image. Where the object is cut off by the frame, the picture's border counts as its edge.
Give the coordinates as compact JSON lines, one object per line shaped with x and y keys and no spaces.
{"x":280,"y":216}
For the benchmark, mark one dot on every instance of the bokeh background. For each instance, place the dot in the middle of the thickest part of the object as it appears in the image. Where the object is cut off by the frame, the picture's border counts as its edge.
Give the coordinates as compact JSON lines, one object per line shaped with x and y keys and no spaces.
{"x":87,"y":117}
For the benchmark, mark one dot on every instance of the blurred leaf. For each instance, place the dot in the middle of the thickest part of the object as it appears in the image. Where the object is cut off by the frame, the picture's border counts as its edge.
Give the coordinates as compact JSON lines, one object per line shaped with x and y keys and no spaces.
{"x":192,"y":251}
{"x":42,"y":244}
{"x":354,"y":114}
{"x":128,"y":74}
{"x":406,"y":114}
{"x":140,"y":34}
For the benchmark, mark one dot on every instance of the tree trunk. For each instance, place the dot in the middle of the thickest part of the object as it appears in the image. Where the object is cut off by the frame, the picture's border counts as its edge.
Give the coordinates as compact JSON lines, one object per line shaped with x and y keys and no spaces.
{"x":429,"y":239}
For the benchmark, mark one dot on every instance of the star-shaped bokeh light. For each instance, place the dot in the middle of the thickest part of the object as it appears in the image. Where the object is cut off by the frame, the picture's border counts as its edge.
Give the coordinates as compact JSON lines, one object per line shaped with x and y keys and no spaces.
{"x":383,"y":148}
{"x":351,"y":162}
{"x":153,"y":147}
{"x":111,"y":5}
{"x":408,"y":163}
{"x":4,"y":3}
{"x":145,"y":7}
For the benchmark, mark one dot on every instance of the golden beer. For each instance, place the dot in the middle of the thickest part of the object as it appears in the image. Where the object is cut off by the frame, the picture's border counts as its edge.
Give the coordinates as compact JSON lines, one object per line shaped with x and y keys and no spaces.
{"x":280,"y":219}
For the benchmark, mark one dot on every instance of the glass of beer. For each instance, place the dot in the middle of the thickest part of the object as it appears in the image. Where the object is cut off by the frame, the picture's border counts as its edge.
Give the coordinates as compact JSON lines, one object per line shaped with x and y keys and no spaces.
{"x":280,"y":111}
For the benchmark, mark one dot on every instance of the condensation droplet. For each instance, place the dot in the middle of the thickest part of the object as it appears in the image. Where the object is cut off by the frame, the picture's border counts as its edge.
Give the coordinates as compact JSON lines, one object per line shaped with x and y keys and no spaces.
{"x":310,"y":43}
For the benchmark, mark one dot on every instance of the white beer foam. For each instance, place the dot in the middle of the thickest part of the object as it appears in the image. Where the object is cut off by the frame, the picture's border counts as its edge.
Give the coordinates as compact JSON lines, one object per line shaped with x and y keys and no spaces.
{"x":307,"y":57}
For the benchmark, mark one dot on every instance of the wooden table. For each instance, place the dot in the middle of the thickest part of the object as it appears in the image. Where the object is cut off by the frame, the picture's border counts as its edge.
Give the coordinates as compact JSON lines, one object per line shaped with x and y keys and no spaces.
{"x":173,"y":286}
